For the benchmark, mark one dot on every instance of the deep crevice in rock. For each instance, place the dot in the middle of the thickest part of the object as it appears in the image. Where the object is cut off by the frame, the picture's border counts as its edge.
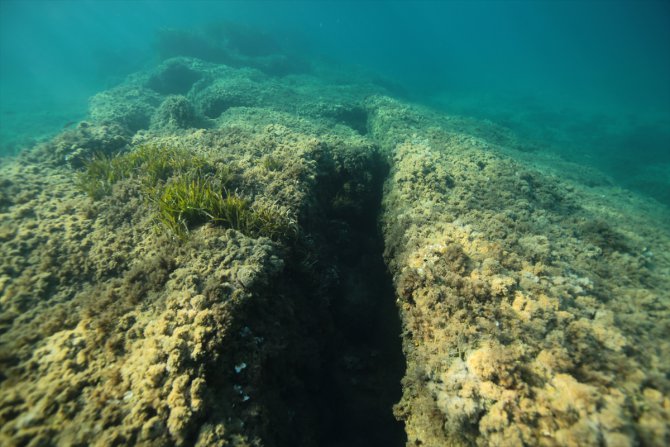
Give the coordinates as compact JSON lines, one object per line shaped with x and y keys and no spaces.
{"x":336,"y":381}
{"x":353,"y":116}
{"x":363,"y":361}
{"x":174,"y":79}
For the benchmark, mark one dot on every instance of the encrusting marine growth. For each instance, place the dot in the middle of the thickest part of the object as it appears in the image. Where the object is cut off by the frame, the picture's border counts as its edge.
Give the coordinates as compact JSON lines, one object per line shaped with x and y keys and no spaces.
{"x":228,"y":266}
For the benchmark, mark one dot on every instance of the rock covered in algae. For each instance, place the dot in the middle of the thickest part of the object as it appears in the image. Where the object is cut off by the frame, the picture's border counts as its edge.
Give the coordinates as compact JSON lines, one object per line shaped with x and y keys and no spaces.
{"x":115,"y":332}
{"x":526,"y":300}
{"x":534,"y":308}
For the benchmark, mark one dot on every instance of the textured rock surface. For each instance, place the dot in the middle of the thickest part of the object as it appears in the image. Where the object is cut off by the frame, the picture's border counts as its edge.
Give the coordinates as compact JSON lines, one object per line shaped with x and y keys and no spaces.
{"x":534,"y":304}
{"x":534,"y":309}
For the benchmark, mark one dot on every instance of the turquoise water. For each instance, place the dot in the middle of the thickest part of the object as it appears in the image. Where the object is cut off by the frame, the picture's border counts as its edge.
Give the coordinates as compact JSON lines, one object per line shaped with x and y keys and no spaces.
{"x":589,"y":80}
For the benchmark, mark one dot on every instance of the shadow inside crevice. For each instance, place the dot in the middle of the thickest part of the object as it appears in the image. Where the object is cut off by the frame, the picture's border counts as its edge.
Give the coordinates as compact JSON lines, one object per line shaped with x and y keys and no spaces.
{"x":363,"y":360}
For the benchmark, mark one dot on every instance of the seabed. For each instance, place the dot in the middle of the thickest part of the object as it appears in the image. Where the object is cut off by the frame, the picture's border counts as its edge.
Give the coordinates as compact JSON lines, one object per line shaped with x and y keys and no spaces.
{"x":391,"y":275}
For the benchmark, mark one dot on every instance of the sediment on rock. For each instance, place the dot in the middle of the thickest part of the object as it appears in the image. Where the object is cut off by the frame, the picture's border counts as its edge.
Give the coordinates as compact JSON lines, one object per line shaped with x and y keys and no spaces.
{"x":117,"y":332}
{"x":533,"y":309}
{"x":526,"y":301}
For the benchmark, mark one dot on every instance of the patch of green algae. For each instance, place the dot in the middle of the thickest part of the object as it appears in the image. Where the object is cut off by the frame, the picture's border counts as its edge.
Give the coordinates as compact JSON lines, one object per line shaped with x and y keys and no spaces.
{"x":150,"y":163}
{"x":185,"y":191}
{"x":191,"y":200}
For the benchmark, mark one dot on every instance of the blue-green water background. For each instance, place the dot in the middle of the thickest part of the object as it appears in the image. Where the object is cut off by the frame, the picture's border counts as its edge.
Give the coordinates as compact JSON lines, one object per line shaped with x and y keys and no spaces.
{"x":589,"y":80}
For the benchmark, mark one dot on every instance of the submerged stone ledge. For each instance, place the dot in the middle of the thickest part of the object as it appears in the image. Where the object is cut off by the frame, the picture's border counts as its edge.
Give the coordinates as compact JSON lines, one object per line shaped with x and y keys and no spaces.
{"x":533,"y":312}
{"x":533,"y":309}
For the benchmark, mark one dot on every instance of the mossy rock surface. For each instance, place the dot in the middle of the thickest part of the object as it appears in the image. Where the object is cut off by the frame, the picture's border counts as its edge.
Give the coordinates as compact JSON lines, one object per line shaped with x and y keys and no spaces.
{"x":171,"y":276}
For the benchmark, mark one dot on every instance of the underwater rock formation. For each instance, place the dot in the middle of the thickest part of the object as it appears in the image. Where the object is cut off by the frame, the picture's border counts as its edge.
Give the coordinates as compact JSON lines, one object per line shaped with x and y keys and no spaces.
{"x":533,"y":307}
{"x":523,"y":297}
